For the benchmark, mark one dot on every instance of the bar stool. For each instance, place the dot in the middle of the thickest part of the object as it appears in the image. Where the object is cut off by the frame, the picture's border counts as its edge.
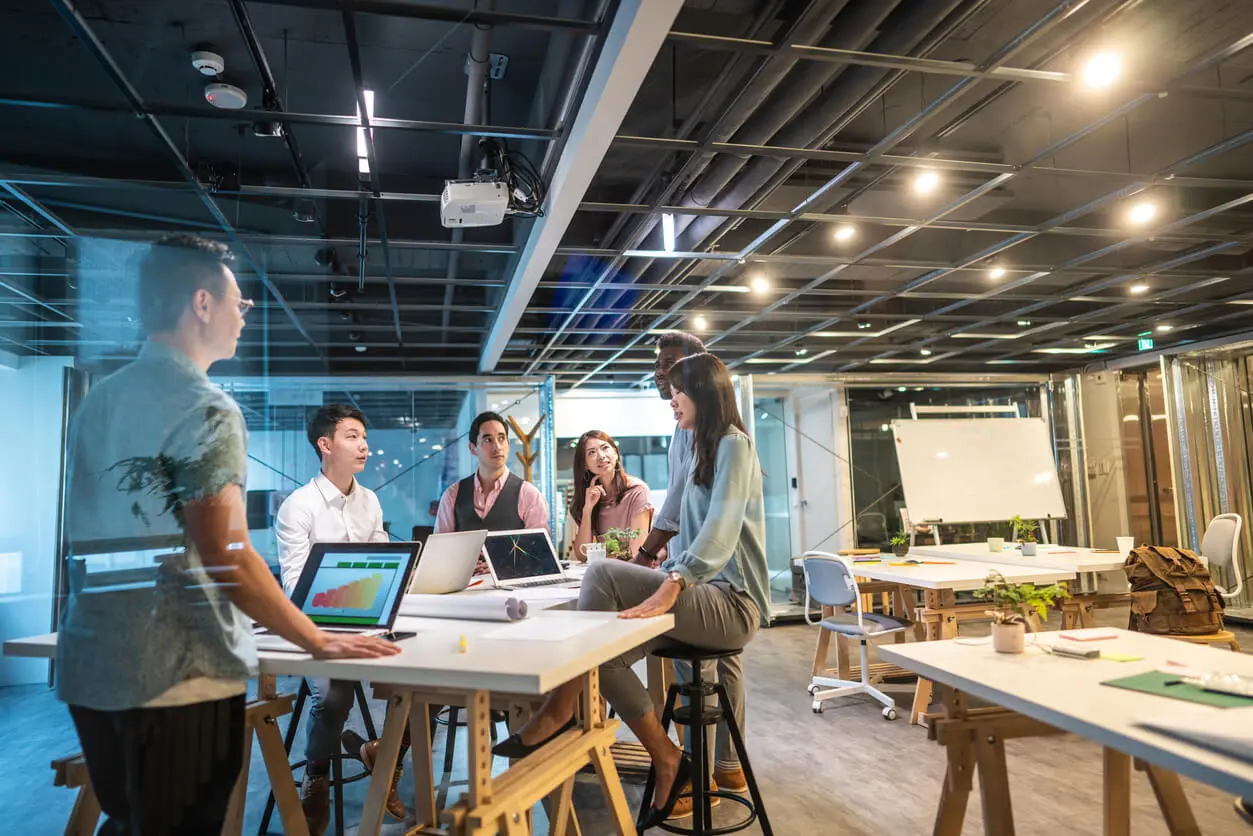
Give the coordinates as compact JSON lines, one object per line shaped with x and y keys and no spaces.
{"x":696,"y":716}
{"x":337,"y":771}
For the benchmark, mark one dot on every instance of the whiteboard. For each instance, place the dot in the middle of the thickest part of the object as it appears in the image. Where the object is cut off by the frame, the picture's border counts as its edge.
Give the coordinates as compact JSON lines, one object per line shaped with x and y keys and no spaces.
{"x":977,"y":469}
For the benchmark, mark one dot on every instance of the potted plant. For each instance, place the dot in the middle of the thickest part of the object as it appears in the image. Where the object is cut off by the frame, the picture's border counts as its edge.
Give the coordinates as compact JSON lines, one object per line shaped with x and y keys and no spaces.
{"x":1026,"y":535}
{"x":1010,"y":602}
{"x":618,"y":542}
{"x":899,"y":543}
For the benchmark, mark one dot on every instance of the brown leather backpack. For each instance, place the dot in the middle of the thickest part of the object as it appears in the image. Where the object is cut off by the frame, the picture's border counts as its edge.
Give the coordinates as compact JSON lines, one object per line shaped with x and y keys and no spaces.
{"x":1171,"y":592}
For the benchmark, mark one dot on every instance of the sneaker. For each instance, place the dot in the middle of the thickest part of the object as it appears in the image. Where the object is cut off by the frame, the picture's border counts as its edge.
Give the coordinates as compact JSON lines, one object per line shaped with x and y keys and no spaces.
{"x":683,"y":807}
{"x":731,"y":779}
{"x":1244,"y":807}
{"x":395,"y":807}
{"x":315,"y":800}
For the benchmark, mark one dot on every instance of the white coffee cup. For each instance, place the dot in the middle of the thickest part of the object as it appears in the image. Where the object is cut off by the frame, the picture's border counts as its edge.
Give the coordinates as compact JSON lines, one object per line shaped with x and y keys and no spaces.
{"x":593,"y":551}
{"x":1125,"y":545}
{"x":996,"y":544}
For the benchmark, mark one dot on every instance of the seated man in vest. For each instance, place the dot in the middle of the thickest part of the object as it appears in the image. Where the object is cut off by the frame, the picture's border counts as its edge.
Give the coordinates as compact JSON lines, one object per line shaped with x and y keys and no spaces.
{"x":492,"y":497}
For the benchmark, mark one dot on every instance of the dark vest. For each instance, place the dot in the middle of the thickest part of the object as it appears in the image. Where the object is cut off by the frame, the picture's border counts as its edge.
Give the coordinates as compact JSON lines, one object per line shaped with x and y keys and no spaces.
{"x":503,"y":515}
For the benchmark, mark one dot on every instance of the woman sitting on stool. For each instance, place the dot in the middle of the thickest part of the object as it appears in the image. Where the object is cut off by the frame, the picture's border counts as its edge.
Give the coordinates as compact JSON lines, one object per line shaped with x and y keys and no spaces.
{"x":716,"y":588}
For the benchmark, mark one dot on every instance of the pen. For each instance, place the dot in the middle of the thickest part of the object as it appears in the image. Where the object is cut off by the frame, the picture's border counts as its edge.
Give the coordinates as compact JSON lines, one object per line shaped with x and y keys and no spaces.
{"x":473,"y":584}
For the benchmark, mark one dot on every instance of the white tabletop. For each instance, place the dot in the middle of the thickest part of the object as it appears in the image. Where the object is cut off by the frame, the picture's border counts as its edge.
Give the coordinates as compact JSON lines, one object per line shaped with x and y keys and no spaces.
{"x":433,"y":659}
{"x":1067,"y":694}
{"x":1073,"y":558}
{"x":958,"y":576}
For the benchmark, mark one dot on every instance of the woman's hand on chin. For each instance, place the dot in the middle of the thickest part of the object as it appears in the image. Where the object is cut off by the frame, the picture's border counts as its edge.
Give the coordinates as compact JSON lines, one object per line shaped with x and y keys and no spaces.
{"x":659,"y":603}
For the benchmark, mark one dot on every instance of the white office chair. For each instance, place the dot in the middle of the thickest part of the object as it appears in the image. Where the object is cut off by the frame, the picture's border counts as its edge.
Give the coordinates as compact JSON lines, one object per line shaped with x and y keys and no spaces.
{"x":1221,"y":547}
{"x":829,"y":580}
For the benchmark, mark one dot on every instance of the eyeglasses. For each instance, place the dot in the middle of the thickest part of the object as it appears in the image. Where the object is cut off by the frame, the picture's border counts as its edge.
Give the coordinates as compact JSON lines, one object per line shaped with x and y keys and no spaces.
{"x":246,"y":305}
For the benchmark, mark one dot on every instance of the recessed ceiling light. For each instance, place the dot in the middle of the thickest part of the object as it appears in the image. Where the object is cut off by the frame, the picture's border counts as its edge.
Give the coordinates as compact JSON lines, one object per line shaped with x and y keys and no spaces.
{"x":699,"y":322}
{"x":1137,"y":289}
{"x":902,"y":388}
{"x":862,"y":326}
{"x":845,"y":232}
{"x":926,"y":352}
{"x":1024,"y":323}
{"x":997,"y":272}
{"x":667,"y":232}
{"x":801,"y":352}
{"x":359,"y":348}
{"x":1102,"y":70}
{"x":759,"y":285}
{"x":1164,"y":328}
{"x":926,"y":181}
{"x":1142,"y":212}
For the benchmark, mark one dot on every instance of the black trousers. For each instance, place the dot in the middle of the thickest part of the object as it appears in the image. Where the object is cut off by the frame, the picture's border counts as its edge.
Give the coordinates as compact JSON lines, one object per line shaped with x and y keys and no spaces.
{"x":161,"y":771}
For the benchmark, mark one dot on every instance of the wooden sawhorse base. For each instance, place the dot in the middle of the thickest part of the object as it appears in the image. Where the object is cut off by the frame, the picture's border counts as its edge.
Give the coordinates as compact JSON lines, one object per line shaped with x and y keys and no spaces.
{"x":975,"y":741}
{"x":500,"y":804}
{"x":261,"y":720}
{"x":1079,"y":610}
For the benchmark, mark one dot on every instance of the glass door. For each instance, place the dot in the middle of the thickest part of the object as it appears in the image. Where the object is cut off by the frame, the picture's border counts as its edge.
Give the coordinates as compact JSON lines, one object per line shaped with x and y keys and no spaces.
{"x":770,"y":434}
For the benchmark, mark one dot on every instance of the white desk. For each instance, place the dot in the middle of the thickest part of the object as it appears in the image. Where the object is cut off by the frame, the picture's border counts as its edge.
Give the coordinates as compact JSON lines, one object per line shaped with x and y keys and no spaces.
{"x":958,"y":576}
{"x":1066,"y":694}
{"x":430,"y":669}
{"x":1073,"y":558}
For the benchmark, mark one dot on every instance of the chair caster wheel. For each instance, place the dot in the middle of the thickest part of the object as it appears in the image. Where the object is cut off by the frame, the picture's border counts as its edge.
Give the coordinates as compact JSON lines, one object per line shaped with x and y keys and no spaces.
{"x":813,"y":689}
{"x":889,"y":714}
{"x":817,"y":708}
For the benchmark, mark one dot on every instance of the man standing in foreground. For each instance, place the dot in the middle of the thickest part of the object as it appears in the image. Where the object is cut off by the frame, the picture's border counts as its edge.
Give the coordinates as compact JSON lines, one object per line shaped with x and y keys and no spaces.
{"x":148,"y":662}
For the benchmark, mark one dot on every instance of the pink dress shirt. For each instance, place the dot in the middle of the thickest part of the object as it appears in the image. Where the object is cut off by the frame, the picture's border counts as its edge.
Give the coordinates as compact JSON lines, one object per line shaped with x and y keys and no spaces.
{"x":531,"y":505}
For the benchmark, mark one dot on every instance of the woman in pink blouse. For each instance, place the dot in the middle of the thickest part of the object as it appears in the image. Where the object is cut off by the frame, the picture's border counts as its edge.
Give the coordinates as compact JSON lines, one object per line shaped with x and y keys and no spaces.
{"x":603,"y":495}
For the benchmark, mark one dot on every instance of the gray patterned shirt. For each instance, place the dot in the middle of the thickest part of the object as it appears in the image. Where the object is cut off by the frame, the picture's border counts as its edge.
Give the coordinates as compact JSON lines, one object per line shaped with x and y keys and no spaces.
{"x":144,"y":613}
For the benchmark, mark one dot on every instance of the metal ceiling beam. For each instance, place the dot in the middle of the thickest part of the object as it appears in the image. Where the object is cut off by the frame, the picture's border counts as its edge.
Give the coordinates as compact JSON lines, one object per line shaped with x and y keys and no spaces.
{"x":35,"y":206}
{"x":634,"y":35}
{"x":358,"y":78}
{"x":932,"y":66}
{"x":446,"y":14}
{"x":78,"y":25}
{"x":249,"y":116}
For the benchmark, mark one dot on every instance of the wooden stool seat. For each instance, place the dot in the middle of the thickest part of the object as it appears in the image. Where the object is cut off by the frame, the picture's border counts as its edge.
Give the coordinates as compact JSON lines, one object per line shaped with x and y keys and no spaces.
{"x":1221,"y":637}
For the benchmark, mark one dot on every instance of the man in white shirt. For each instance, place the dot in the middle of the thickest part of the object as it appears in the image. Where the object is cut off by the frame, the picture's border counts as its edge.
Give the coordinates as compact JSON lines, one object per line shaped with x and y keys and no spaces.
{"x":333,"y":508}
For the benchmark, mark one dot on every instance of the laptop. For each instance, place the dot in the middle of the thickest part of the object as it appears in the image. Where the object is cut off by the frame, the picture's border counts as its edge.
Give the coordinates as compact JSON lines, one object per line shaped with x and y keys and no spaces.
{"x":447,"y":562}
{"x":351,"y":588}
{"x":524,"y":559}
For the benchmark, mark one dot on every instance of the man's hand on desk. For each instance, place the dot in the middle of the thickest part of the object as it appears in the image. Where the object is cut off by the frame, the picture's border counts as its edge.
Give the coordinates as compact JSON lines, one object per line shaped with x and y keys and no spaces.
{"x":353,"y":646}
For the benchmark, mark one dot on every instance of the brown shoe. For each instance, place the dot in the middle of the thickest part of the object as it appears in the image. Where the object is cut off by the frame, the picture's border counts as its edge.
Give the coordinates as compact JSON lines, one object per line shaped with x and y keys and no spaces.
{"x":315,"y":800}
{"x":731,"y":779}
{"x":394,"y":806}
{"x":683,"y":807}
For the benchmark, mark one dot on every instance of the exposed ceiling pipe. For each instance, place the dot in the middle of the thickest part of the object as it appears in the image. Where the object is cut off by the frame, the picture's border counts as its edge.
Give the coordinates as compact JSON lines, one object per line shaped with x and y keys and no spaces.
{"x":476,"y":86}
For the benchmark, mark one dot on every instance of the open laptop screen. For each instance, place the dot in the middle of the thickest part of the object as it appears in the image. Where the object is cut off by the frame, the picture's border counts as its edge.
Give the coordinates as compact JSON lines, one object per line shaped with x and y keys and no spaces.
{"x":355,"y":584}
{"x":521,"y":555}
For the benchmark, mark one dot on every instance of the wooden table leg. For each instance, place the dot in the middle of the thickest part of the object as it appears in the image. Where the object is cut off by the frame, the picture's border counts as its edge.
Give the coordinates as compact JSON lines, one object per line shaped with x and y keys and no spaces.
{"x":234,"y":824}
{"x":560,"y":809}
{"x":606,"y":771}
{"x":1172,"y":800}
{"x":389,"y":753}
{"x":958,"y":778}
{"x":479,"y":747}
{"x":423,"y":766}
{"x":286,"y":800}
{"x":998,"y":813}
{"x":1117,"y":794}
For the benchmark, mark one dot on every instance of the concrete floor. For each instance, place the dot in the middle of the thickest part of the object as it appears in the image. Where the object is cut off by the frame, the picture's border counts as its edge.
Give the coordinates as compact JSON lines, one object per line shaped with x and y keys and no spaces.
{"x":846,"y":772}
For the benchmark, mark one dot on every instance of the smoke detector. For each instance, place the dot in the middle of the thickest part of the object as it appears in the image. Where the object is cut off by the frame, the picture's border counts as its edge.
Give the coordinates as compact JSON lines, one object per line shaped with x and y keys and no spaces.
{"x":208,"y":62}
{"x":225,"y":96}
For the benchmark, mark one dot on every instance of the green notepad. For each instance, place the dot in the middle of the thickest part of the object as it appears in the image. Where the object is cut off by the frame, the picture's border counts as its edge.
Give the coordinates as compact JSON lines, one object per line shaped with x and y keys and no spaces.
{"x":1172,"y":685}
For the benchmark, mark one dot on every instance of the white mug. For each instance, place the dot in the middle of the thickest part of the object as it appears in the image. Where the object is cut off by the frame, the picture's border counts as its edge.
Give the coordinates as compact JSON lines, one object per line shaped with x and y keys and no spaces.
{"x":593,"y":551}
{"x":996,"y":544}
{"x":1125,"y":545}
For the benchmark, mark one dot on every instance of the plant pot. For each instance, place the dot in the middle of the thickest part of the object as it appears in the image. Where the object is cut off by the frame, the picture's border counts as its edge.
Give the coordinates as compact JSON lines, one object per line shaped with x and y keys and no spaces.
{"x":1028,"y":549}
{"x":901,"y":550}
{"x":1009,"y":638}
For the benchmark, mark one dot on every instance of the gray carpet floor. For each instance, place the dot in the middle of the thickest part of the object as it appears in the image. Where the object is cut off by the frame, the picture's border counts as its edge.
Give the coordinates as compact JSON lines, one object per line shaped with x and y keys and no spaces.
{"x":846,"y":772}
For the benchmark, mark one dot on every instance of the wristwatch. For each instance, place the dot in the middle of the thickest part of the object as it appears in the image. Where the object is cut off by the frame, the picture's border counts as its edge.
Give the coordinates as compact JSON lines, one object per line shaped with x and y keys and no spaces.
{"x":675,"y":577}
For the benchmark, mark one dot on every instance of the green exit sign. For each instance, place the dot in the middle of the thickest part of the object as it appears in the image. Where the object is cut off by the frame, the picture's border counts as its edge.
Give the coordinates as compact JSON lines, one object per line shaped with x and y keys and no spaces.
{"x":1145,"y":343}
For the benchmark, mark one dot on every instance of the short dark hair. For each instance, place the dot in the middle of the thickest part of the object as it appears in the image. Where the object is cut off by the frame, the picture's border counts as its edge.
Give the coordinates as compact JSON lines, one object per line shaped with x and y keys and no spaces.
{"x":689,"y":343}
{"x":170,"y":274}
{"x":326,"y":419}
{"x":482,"y":418}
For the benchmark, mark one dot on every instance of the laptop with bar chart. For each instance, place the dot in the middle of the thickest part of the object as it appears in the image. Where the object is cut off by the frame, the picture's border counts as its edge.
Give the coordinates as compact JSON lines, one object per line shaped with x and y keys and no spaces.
{"x":350,"y":587}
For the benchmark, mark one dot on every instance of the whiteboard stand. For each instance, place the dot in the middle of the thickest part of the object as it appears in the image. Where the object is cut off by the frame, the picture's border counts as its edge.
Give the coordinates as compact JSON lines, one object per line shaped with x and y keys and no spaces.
{"x":908,"y":525}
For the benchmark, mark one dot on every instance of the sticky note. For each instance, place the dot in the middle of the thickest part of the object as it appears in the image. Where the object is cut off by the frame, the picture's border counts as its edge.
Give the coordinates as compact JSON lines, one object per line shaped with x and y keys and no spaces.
{"x":1121,"y":657}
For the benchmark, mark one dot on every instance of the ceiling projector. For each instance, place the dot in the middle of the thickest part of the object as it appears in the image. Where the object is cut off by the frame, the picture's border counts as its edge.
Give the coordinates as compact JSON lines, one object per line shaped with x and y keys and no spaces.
{"x":473,"y":203}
